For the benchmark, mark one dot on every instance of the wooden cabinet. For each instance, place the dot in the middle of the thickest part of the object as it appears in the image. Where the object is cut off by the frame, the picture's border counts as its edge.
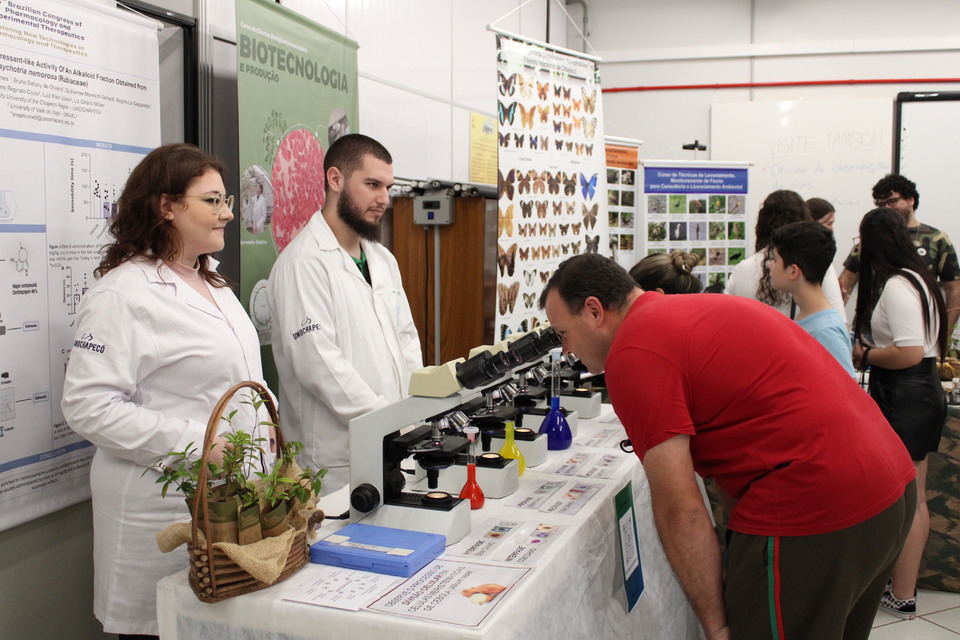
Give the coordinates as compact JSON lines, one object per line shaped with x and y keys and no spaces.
{"x":464,"y":258}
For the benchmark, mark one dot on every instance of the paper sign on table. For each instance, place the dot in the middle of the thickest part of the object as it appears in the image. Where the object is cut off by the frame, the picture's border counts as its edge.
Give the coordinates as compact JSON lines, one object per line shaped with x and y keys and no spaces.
{"x":452,"y":592}
{"x":507,"y":541}
{"x":341,"y":588}
{"x":572,"y":499}
{"x":534,"y":495}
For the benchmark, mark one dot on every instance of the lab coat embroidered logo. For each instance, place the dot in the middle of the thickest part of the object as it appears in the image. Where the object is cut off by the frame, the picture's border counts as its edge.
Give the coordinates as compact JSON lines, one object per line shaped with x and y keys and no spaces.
{"x":305,"y":327}
{"x":86,"y":342}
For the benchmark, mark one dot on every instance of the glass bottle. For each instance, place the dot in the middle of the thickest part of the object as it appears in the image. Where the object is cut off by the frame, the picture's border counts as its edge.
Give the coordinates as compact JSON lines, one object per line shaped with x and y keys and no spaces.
{"x":471,"y":489}
{"x":511,"y":450}
{"x":556,"y":427}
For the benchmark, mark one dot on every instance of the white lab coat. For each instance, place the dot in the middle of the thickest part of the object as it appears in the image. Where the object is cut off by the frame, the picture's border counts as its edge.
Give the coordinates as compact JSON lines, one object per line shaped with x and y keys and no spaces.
{"x":343,"y":348}
{"x":151,"y":359}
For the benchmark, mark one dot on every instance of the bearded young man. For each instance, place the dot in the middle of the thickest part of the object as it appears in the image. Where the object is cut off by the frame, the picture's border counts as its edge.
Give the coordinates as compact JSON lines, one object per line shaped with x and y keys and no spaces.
{"x":343,"y":336}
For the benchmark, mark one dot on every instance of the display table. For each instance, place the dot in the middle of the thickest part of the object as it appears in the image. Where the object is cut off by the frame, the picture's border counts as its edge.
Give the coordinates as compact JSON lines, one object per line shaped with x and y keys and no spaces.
{"x":575,"y":590}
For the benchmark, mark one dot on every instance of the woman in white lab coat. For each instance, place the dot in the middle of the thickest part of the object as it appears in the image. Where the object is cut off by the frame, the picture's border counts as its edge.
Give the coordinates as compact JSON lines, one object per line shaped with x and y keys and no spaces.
{"x":159,"y":339}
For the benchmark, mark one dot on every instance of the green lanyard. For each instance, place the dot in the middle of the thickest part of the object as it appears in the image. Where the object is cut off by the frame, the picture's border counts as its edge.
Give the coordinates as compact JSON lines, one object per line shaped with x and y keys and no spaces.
{"x":361,"y":263}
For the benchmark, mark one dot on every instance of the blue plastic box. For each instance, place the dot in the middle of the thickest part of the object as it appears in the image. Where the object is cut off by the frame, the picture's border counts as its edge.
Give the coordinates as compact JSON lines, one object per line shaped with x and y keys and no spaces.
{"x":395,"y":552}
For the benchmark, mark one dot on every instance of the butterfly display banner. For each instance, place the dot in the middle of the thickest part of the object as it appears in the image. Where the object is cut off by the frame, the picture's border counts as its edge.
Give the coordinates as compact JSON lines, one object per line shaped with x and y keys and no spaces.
{"x":699,"y":208}
{"x":297,"y":93}
{"x":622,"y":202}
{"x":551,"y":176}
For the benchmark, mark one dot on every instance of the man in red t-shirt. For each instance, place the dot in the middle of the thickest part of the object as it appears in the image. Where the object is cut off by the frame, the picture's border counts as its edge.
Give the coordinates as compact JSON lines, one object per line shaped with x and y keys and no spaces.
{"x":733,"y":390}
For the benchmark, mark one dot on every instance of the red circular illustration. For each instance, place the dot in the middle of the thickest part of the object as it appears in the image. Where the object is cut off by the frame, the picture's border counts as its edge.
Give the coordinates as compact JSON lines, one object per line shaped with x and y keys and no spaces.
{"x":298,"y":184}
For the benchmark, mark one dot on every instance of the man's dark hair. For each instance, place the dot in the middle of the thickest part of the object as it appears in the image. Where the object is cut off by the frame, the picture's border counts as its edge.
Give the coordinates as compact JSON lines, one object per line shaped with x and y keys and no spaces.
{"x":895,"y":182}
{"x":586,"y":275}
{"x":809,"y":245}
{"x":348,"y":152}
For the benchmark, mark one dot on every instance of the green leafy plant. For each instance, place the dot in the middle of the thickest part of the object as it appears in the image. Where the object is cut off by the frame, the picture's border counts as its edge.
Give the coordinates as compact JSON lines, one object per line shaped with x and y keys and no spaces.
{"x":278,"y":486}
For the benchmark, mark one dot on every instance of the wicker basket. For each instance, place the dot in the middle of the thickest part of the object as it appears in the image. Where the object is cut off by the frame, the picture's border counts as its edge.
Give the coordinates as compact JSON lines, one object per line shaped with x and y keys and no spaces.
{"x":213,"y":575}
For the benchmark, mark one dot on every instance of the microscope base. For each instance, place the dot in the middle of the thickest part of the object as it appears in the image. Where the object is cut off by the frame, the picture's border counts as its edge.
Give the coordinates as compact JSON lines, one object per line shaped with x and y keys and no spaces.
{"x":453,"y":524}
{"x":495,"y":483}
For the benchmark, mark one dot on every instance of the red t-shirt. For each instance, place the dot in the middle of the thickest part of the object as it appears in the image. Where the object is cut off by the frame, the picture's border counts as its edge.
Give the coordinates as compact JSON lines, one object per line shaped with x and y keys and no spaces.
{"x":772,"y":416}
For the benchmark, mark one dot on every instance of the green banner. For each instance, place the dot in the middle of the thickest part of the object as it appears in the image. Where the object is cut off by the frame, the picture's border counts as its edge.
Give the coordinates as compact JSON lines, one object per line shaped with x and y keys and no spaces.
{"x":297,"y":92}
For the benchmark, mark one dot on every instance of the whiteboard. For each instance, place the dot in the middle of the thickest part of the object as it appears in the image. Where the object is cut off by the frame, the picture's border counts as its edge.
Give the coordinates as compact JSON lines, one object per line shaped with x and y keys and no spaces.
{"x":929,"y":153}
{"x":831,"y":149}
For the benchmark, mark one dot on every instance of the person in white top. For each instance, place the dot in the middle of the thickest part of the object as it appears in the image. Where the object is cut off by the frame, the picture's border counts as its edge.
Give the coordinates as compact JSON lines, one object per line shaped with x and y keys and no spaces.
{"x":343,"y":336}
{"x":751,"y":278}
{"x":899,"y":303}
{"x":159,"y":339}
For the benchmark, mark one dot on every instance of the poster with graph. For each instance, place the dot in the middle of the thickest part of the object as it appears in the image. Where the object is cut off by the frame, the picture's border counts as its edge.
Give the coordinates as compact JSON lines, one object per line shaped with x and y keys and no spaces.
{"x":79,"y":108}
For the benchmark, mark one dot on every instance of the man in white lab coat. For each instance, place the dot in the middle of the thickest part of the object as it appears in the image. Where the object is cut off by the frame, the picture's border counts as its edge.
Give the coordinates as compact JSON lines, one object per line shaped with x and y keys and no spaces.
{"x":343,"y":336}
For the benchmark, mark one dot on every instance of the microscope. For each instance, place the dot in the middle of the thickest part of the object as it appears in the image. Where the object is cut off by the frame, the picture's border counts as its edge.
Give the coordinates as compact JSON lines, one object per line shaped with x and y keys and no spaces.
{"x":425,"y":428}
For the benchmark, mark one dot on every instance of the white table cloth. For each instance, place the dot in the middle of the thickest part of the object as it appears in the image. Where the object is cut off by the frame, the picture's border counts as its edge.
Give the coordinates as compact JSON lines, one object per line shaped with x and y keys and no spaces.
{"x":575,"y":591}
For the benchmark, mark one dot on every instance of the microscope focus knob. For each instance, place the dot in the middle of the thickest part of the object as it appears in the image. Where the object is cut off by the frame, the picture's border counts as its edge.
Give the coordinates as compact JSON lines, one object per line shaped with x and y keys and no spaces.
{"x":365,"y":497}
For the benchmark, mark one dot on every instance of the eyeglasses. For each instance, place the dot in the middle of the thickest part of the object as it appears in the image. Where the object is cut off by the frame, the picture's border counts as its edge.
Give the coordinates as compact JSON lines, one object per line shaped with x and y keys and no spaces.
{"x":889,"y":202}
{"x":216,"y":200}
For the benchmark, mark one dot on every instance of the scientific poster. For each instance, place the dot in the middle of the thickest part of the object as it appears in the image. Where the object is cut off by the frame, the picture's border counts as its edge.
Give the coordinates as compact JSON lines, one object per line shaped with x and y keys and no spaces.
{"x":698,"y":208}
{"x":622,"y":202}
{"x":552,"y":182}
{"x":79,"y":108}
{"x":297,"y":93}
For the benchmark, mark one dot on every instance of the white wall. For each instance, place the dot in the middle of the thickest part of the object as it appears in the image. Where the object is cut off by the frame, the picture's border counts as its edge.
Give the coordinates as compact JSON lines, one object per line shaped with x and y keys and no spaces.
{"x":694,"y":42}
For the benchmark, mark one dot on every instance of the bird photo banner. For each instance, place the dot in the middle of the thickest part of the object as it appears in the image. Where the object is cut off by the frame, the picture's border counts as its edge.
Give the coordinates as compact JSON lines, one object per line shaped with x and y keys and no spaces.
{"x":699,"y":208}
{"x":551,"y":175}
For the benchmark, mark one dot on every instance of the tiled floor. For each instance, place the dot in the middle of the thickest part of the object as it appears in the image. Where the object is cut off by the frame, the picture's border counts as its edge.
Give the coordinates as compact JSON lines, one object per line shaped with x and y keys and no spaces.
{"x":939,"y":619}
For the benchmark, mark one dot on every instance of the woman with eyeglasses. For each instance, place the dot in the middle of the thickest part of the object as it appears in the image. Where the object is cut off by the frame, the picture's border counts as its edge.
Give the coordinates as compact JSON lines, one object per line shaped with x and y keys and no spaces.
{"x":902,"y":310}
{"x":159,"y":338}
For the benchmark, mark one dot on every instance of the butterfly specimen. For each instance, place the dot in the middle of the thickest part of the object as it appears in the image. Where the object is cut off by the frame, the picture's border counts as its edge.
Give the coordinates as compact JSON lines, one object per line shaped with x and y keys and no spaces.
{"x":589,"y":149}
{"x":542,"y":90}
{"x":589,"y":127}
{"x":566,"y":248}
{"x":557,"y":208}
{"x":553,"y":184}
{"x":505,"y":222}
{"x":588,"y":187}
{"x":542,"y":209}
{"x":526,"y":208}
{"x":544,"y":276}
{"x":576,"y":228}
{"x":507,"y":297}
{"x":557,"y":124}
{"x":525,"y":253}
{"x":504,"y":139}
{"x":593,"y":244}
{"x":544,"y":141}
{"x":557,"y":90}
{"x":575,"y":247}
{"x":526,"y":86}
{"x":530,"y":276}
{"x":518,"y":139}
{"x":506,"y":183}
{"x":507,"y":87}
{"x":566,"y":111}
{"x":529,"y":299}
{"x":589,"y":100}
{"x":507,"y":112}
{"x":576,"y":105}
{"x":555,"y":251}
{"x":536,"y":253}
{"x":543,"y":113}
{"x":526,"y":116}
{"x":523,"y":182}
{"x":571,"y":207}
{"x":552,"y":229}
{"x":504,"y":330}
{"x":506,"y":260}
{"x":569,"y":145}
{"x":556,"y":108}
{"x":579,"y":147}
{"x":538,"y":182}
{"x":590,"y":216}
{"x":533,"y":141}
{"x":529,"y":229}
{"x":559,"y":144}
{"x":566,"y":93}
{"x":570,"y":184}
{"x":564,"y":228}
